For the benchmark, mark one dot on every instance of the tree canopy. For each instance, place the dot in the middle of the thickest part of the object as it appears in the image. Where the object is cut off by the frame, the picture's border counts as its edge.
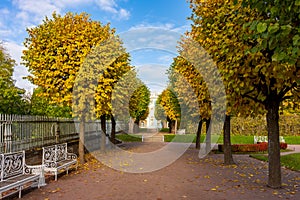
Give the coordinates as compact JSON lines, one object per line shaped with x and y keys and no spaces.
{"x":56,"y":50}
{"x":256,"y":50}
{"x":11,"y":99}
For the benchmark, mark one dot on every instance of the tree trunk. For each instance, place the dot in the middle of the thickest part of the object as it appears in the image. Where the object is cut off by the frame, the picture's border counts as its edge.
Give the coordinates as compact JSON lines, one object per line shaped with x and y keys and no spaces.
{"x":136,"y":126}
{"x":113,"y":130}
{"x":274,"y":180}
{"x":81,"y":142}
{"x":169,"y":124}
{"x":164,"y":124}
{"x":173,"y":126}
{"x":208,"y":136}
{"x":228,"y":159}
{"x":103,"y":132}
{"x":131,"y":125}
{"x":198,"y":137}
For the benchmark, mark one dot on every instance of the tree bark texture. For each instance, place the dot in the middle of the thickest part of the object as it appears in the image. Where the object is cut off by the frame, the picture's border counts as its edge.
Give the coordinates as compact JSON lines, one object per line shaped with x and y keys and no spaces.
{"x":113,"y":130}
{"x":274,"y":179}
{"x":103,"y":132}
{"x":228,"y":159}
{"x":198,"y":137}
{"x":208,"y":136}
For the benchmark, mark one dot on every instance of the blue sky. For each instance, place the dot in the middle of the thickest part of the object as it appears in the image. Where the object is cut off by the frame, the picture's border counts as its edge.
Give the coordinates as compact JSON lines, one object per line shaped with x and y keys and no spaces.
{"x":148,"y":20}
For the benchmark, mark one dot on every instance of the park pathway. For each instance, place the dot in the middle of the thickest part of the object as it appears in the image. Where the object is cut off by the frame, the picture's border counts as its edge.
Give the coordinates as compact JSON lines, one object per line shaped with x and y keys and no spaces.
{"x":189,"y":177}
{"x":293,"y":148}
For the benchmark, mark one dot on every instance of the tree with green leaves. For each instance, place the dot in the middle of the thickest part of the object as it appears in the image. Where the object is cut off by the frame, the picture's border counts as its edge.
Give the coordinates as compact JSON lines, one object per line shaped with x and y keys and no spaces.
{"x":39,"y":105}
{"x":139,"y":105}
{"x":11,"y":99}
{"x":130,"y":100}
{"x":159,"y":112}
{"x":274,"y":57}
{"x":255,"y":46}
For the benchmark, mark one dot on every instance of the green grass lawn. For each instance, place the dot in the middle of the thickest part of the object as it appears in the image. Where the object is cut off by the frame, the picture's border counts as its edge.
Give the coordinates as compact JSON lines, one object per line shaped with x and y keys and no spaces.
{"x":235,"y":139}
{"x":129,"y":138}
{"x":290,"y":161}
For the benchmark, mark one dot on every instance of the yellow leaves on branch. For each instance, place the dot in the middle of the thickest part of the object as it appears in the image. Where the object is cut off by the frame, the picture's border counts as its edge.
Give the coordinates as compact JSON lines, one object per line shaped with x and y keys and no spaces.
{"x":57,"y":48}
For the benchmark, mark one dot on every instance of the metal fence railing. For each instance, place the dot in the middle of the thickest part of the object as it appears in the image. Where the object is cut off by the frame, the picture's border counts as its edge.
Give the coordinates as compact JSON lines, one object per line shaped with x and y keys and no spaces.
{"x":25,"y":132}
{"x":22,"y":132}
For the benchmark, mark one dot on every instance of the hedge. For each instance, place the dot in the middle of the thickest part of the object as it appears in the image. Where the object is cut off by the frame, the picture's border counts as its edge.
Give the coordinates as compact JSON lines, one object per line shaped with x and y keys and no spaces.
{"x":263,"y":146}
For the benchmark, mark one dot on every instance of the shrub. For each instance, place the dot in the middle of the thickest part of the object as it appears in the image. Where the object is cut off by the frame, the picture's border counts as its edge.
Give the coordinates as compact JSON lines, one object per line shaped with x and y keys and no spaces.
{"x":263,"y":146}
{"x":283,"y":145}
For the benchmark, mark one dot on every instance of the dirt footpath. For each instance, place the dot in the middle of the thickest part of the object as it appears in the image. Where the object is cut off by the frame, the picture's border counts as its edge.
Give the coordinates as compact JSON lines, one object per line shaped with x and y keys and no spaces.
{"x":189,"y":177}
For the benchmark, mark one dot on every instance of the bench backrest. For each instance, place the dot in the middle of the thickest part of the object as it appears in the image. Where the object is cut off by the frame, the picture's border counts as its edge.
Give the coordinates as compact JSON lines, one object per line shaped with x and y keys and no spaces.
{"x":12,"y":164}
{"x":53,"y":154}
{"x":61,"y":152}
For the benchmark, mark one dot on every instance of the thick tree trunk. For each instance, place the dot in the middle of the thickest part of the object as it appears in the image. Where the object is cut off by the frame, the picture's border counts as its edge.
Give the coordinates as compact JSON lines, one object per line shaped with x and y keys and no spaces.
{"x":228,"y":159}
{"x":81,"y":142}
{"x":274,"y":180}
{"x":198,"y":136}
{"x":208,"y":136}
{"x":113,"y":130}
{"x":103,"y":132}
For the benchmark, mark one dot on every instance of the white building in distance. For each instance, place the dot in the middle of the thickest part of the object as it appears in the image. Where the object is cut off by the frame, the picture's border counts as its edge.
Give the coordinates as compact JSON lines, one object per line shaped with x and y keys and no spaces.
{"x":151,"y":121}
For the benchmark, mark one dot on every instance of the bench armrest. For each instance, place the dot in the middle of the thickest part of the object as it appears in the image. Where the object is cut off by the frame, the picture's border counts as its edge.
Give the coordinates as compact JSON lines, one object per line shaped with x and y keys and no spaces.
{"x":37,"y":170}
{"x":71,"y":156}
{"x":34,"y":169}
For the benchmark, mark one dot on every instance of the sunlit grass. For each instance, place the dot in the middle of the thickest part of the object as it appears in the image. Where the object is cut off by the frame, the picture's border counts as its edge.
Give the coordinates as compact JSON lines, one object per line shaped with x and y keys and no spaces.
{"x":290,"y":161}
{"x":129,"y":137}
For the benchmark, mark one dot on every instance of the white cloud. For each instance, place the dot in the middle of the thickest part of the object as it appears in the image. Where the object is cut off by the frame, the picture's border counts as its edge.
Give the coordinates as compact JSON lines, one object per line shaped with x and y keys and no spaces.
{"x":124,"y":14}
{"x":151,"y":37}
{"x":107,"y":5}
{"x":167,"y":26}
{"x":33,"y":11}
{"x":153,"y":75}
{"x":112,"y":7}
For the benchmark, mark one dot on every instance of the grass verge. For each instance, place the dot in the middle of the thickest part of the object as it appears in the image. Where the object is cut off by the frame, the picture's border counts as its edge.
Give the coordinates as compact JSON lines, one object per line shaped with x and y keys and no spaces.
{"x":290,"y":161}
{"x":129,"y":138}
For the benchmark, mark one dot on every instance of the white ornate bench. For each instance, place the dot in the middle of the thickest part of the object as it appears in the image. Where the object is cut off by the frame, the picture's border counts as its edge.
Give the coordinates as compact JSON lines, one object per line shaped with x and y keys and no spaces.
{"x":265,"y":139}
{"x":57,"y":159}
{"x":16,"y":175}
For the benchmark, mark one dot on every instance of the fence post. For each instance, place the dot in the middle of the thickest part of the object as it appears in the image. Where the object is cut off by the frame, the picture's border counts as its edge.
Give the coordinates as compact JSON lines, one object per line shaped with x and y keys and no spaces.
{"x":57,"y":132}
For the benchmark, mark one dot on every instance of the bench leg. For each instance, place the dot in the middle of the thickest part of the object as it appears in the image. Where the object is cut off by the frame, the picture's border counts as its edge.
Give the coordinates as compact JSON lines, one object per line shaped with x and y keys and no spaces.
{"x":20,"y":192}
{"x":55,"y":176}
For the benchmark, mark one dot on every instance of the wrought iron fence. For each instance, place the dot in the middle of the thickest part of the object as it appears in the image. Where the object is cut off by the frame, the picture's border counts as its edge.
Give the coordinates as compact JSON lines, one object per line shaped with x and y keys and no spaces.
{"x":22,"y":132}
{"x":19,"y":132}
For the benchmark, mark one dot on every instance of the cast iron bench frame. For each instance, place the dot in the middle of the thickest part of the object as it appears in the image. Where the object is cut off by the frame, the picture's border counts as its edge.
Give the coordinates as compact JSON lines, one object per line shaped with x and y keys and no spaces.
{"x":56,"y":159}
{"x":15,"y":174}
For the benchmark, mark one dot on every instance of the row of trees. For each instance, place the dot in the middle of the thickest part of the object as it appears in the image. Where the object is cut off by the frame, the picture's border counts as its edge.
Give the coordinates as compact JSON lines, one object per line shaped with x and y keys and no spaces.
{"x":78,"y":66}
{"x":256,"y":48}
